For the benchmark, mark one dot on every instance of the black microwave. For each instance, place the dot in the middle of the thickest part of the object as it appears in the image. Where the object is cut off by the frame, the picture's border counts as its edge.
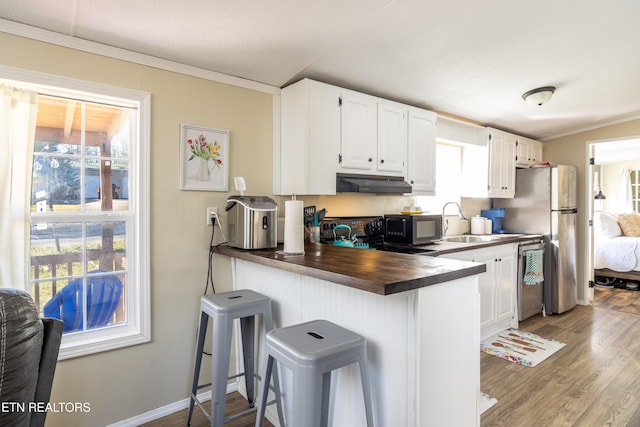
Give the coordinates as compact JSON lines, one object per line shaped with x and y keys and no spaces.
{"x":412,"y":229}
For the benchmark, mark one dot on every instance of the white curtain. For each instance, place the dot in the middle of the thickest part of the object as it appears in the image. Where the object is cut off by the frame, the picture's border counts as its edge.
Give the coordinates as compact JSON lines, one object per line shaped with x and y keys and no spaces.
{"x":18,"y":112}
{"x":625,"y":203}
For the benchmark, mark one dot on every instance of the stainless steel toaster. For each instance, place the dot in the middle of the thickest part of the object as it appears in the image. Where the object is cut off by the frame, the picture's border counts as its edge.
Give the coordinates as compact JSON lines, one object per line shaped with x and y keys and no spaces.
{"x":252,"y":222}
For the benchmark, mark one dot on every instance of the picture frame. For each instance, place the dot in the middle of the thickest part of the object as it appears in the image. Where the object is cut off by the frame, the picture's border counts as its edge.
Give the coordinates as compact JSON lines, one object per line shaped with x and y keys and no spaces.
{"x":204,"y":158}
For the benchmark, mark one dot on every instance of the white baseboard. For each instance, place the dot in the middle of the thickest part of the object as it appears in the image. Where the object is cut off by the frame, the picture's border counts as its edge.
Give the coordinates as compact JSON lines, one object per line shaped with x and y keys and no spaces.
{"x":169,"y":409}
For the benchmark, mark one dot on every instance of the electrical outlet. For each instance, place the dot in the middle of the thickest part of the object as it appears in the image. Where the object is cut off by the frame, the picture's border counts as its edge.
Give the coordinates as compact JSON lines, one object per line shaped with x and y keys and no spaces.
{"x":210,"y":213}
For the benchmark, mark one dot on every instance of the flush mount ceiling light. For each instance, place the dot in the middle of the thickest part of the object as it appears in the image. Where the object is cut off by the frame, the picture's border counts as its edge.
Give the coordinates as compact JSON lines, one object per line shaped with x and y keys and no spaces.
{"x":539,"y":96}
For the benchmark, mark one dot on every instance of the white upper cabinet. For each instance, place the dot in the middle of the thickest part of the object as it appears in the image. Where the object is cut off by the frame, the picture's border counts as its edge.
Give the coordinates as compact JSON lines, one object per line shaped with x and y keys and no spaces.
{"x":502,"y":164}
{"x":392,"y":138}
{"x":374,"y":135}
{"x":489,"y":170}
{"x":421,"y":158}
{"x":528,"y":151}
{"x":306,"y":155}
{"x":326,"y":130}
{"x":359,"y":132}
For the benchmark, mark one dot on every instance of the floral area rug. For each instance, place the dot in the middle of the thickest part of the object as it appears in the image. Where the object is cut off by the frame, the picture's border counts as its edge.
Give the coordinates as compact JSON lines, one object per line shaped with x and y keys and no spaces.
{"x":523,"y":348}
{"x":486,"y":401}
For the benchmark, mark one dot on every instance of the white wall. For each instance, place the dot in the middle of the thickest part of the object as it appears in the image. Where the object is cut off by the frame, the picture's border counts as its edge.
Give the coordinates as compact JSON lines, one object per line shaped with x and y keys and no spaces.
{"x":122,"y":383}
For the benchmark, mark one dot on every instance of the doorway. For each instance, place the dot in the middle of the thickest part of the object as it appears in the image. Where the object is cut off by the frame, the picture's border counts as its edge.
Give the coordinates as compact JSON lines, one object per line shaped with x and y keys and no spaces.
{"x":613,"y":257}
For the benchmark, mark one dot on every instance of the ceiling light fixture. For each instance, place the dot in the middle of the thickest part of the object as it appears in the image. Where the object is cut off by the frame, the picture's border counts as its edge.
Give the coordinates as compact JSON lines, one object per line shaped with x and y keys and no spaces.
{"x":539,"y":96}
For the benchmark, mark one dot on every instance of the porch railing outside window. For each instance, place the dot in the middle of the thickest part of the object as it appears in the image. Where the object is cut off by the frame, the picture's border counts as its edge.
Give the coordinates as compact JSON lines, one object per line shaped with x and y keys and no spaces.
{"x":79,"y":206}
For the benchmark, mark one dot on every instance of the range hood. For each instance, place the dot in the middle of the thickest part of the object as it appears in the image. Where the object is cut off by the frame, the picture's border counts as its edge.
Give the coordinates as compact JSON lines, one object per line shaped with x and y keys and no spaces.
{"x":353,"y":183}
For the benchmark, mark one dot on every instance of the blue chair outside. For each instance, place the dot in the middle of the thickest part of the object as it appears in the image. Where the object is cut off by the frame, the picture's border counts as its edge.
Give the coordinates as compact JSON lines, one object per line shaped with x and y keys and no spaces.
{"x":103,"y":296}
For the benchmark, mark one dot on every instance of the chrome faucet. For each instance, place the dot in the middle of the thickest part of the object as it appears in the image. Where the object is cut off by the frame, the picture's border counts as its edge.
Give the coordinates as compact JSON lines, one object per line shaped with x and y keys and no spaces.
{"x":445,"y":224}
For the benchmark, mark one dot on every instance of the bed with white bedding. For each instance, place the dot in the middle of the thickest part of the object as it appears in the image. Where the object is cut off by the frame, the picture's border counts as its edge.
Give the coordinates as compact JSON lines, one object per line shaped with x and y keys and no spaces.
{"x":620,"y":253}
{"x":617,"y":245}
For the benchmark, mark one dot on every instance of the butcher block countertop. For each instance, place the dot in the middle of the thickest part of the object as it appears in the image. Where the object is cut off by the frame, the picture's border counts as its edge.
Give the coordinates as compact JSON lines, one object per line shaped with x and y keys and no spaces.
{"x":379,"y":272}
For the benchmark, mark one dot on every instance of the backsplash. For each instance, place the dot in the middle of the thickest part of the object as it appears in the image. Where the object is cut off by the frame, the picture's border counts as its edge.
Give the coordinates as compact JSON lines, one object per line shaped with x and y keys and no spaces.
{"x":354,"y":204}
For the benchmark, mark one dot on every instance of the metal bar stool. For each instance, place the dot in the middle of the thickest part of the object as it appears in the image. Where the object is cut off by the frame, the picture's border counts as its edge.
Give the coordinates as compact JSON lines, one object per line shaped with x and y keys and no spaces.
{"x":312,"y":350}
{"x":224,"y":308}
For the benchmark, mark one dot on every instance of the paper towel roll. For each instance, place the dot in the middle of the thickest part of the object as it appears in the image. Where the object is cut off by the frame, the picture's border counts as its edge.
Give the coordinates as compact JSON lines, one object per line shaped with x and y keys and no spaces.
{"x":293,"y":227}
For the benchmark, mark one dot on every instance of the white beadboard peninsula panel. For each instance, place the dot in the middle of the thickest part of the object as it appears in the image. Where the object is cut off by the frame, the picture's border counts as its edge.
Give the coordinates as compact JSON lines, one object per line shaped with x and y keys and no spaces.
{"x":386,"y":322}
{"x":449,"y":353}
{"x":423,"y":345}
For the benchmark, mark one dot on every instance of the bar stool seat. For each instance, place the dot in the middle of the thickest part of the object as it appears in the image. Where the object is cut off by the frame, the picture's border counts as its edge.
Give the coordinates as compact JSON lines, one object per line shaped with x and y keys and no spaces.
{"x":311,"y":351}
{"x":223,"y":309}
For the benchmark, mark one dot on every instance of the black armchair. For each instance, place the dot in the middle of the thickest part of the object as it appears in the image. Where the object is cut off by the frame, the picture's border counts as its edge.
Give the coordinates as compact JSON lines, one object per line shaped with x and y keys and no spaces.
{"x":29,"y":348}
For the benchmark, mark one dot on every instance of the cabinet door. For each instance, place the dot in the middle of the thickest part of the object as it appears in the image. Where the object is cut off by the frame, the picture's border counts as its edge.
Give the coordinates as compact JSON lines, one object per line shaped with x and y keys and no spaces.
{"x":421,"y":158}
{"x":497,"y":286}
{"x":535,"y":150}
{"x":528,"y":151}
{"x":306,"y":155}
{"x":523,"y":158}
{"x":502,"y":157}
{"x":506,"y":287}
{"x":487,"y":290}
{"x":509,"y":167}
{"x":358,"y":132}
{"x":495,"y":165}
{"x":392,"y":138}
{"x":486,"y":283}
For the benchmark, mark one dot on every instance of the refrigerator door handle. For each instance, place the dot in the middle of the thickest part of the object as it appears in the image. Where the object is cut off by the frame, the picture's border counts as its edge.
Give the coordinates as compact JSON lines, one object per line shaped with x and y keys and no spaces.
{"x":566,"y":211}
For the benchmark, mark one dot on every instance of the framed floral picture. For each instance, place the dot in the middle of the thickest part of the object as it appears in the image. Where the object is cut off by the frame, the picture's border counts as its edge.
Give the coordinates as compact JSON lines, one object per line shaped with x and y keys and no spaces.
{"x":204,"y":158}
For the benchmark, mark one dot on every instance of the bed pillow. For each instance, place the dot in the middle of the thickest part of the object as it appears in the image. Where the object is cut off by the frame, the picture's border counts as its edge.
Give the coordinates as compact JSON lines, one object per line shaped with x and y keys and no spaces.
{"x":629,"y":224}
{"x":609,"y":226}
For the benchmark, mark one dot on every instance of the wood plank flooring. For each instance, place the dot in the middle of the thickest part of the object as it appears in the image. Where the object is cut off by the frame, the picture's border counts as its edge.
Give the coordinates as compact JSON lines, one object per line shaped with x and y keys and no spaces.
{"x":617,"y":299}
{"x":235,"y":404}
{"x":593,"y":381}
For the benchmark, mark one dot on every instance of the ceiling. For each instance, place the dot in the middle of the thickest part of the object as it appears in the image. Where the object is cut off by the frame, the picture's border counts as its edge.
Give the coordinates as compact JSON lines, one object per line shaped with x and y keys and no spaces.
{"x":466,"y":58}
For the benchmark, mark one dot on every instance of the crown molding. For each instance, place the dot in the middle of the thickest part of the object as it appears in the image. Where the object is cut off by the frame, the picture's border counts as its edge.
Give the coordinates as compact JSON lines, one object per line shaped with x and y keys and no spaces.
{"x":63,"y":40}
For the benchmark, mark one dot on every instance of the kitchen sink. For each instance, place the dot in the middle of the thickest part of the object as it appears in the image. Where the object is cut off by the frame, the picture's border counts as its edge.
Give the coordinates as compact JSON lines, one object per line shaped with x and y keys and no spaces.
{"x":469,"y":239}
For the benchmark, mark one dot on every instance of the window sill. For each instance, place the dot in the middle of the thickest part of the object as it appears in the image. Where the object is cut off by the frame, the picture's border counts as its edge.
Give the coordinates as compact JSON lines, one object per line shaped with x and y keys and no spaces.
{"x":85,"y":343}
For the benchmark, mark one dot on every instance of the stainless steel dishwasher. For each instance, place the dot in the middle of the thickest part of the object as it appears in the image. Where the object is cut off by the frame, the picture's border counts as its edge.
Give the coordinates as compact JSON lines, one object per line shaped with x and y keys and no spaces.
{"x":530,"y":297}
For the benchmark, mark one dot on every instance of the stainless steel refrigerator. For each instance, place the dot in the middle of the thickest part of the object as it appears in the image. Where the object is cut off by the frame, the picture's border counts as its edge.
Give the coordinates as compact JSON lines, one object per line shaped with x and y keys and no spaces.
{"x":545,"y":203}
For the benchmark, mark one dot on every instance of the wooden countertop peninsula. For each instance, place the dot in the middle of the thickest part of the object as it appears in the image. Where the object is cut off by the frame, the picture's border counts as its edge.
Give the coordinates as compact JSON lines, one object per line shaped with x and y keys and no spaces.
{"x":379,"y":272}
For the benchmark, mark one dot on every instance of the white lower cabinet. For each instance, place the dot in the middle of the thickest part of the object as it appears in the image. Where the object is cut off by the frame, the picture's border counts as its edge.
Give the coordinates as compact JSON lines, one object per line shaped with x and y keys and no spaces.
{"x":498,"y":286}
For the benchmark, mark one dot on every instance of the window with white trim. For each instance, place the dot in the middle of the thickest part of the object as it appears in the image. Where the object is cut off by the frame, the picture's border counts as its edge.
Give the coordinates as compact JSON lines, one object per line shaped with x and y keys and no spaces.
{"x":87,"y":228}
{"x":634,"y":183}
{"x":448,"y":178}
